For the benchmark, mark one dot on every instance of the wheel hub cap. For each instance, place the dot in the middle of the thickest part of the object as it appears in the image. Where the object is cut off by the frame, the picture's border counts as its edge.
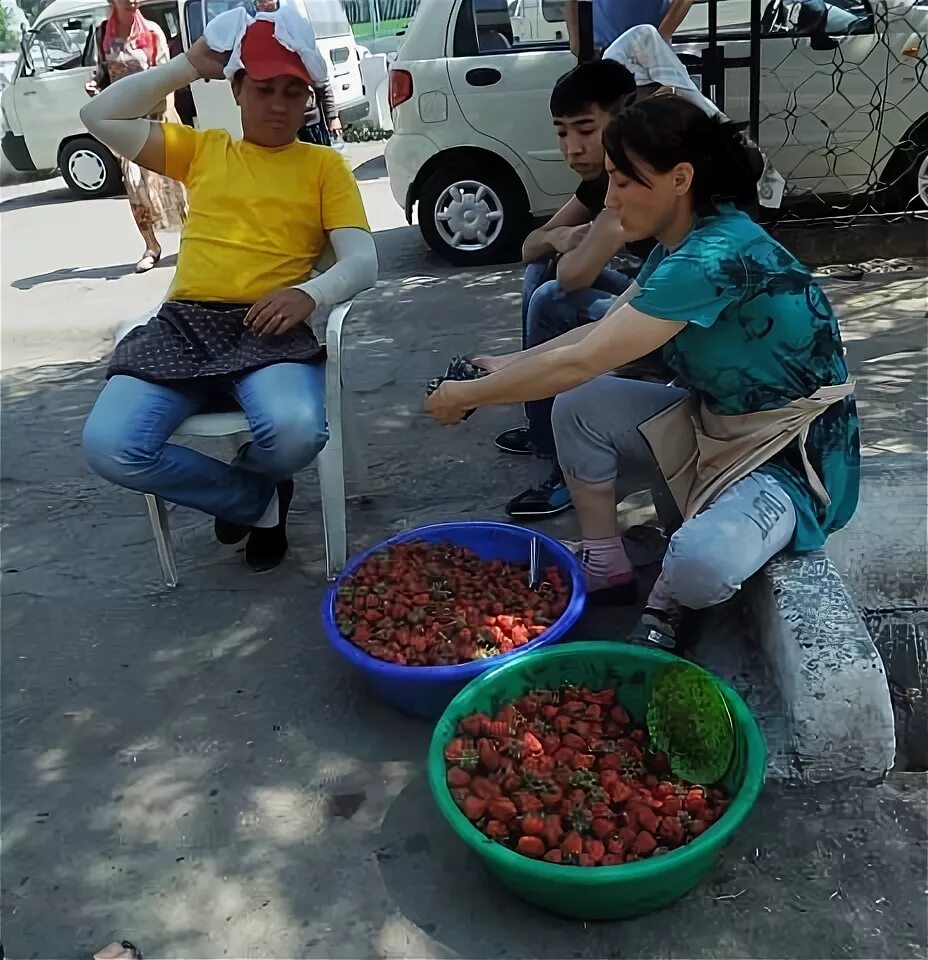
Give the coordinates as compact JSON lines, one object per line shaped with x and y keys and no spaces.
{"x":469,"y":215}
{"x":87,"y":170}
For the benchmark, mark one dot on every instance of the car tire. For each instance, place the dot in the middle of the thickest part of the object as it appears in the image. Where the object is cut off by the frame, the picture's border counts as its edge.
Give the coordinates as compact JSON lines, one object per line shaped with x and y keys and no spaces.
{"x":89,"y":169}
{"x":486,"y":209}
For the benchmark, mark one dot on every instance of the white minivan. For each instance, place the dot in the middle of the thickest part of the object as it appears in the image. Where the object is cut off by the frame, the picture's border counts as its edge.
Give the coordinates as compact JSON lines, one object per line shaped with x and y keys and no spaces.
{"x":475,"y":152}
{"x":42,"y":129}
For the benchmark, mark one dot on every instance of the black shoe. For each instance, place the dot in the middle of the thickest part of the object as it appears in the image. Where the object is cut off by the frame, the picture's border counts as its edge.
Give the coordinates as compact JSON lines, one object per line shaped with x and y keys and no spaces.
{"x":516,"y":441}
{"x":544,"y":501}
{"x":267,"y":546}
{"x":230,"y":533}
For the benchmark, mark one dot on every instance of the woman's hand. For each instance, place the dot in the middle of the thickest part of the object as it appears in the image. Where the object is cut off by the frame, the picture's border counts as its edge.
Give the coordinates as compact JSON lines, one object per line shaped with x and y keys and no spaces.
{"x":335,"y":127}
{"x":492,"y":364}
{"x":91,"y":87}
{"x":208,"y":63}
{"x":280,"y":311}
{"x":448,"y":404}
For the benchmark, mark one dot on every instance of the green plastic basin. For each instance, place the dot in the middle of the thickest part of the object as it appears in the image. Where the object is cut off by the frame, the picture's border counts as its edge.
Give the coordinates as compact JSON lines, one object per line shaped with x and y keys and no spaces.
{"x":599,"y":893}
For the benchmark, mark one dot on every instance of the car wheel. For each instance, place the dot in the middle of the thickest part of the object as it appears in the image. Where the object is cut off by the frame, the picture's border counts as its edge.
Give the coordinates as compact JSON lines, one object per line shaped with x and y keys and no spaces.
{"x":921,"y":179}
{"x":89,"y":169}
{"x":472,"y":217}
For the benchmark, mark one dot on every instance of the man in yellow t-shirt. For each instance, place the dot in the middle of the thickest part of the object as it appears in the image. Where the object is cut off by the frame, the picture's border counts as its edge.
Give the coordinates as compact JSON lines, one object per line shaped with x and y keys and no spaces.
{"x":234,"y":326}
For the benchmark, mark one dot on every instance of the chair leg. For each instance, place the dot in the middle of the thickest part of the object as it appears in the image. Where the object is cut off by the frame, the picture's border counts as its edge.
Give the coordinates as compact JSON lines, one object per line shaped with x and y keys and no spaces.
{"x":157,"y":513}
{"x":331,"y":466}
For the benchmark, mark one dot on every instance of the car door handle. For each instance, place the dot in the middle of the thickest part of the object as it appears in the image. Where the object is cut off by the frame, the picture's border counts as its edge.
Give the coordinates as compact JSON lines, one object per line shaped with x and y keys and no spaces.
{"x":483,"y":77}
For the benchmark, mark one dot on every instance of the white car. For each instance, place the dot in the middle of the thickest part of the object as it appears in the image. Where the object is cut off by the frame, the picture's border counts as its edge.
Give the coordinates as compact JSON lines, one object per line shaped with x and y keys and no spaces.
{"x":474,"y":148}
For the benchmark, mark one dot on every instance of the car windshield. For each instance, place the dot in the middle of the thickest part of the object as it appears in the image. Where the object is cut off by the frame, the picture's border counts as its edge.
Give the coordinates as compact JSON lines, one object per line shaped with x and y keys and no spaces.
{"x":328,"y":18}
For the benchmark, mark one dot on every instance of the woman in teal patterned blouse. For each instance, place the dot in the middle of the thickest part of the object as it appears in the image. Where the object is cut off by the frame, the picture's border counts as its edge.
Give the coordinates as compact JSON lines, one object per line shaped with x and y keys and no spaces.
{"x":759,"y":361}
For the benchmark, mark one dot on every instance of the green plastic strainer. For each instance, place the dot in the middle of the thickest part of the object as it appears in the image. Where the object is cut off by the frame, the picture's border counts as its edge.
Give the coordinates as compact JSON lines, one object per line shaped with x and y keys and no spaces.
{"x":688,"y":719}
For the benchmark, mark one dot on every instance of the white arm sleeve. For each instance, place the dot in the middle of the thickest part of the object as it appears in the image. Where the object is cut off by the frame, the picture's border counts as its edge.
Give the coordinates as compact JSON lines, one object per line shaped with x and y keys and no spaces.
{"x":355,"y":268}
{"x":116,"y":114}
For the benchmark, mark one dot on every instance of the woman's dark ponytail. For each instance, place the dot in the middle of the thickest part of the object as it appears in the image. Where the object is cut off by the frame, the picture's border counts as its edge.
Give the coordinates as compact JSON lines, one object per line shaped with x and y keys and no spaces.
{"x":666,"y":130}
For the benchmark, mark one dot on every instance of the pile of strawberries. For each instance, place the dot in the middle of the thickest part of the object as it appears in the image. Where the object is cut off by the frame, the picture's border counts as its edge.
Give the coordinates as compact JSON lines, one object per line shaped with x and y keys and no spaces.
{"x":426,"y":604}
{"x":566,"y":776}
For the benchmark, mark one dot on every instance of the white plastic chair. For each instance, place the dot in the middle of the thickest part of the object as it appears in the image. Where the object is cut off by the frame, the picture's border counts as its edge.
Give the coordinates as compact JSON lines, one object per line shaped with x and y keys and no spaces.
{"x":330,"y":462}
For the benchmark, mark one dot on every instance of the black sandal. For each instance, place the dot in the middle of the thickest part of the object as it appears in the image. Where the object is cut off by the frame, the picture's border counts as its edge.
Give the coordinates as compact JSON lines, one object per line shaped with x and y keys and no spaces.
{"x":672,"y":629}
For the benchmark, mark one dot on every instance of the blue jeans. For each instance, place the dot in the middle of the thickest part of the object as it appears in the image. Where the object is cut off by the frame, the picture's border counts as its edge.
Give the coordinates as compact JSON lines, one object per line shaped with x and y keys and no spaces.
{"x":125,"y":438}
{"x":548,"y":310}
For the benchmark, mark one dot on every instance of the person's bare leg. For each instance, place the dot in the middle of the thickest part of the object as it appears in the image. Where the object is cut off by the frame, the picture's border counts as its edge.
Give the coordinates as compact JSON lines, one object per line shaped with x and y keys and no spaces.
{"x":609,"y":572}
{"x":595,"y":506}
{"x":152,"y":250}
{"x":596,"y":432}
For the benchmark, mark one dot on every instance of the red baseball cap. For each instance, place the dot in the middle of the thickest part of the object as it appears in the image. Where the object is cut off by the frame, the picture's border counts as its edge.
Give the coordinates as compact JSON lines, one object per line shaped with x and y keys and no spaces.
{"x":265,"y":57}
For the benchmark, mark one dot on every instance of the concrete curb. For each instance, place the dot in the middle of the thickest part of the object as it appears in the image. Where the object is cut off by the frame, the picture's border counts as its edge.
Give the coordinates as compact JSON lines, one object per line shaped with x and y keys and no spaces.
{"x":827,"y":668}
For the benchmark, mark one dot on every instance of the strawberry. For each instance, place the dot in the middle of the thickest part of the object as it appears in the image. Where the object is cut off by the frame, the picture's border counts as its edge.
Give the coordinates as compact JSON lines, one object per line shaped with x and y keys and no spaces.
{"x":457,"y":777}
{"x":553,"y":856}
{"x":595,"y":849}
{"x":574,"y":741}
{"x":551,"y":743}
{"x":502,"y":808}
{"x":671,"y":806}
{"x":553,"y":831}
{"x":474,"y":807}
{"x":602,"y":827}
{"x":696,"y":827}
{"x":583,"y":761}
{"x":672,"y":831}
{"x":532,"y":824}
{"x":496,"y":829}
{"x":585,"y":860}
{"x":620,"y":716}
{"x":487,"y":789}
{"x":489,"y":756}
{"x":473,"y":725}
{"x":628,"y":835}
{"x":694,"y":805}
{"x":611,"y":860}
{"x":564,"y":756}
{"x":531,"y":743}
{"x":552,"y":796}
{"x":615,"y":846}
{"x":531,"y":847}
{"x":644,"y":844}
{"x":572,"y":844}
{"x":619,"y":792}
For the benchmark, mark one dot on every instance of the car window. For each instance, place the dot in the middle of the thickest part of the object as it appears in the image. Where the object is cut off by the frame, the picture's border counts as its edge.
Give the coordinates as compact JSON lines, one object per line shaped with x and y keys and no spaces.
{"x":497,"y":26}
{"x":52,"y":47}
{"x":373,"y":19}
{"x":779,"y":18}
{"x":328,"y":16}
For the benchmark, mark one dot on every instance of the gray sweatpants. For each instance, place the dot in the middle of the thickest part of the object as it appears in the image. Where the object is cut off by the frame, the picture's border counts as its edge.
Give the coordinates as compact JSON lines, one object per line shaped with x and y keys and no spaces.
{"x":709,"y":556}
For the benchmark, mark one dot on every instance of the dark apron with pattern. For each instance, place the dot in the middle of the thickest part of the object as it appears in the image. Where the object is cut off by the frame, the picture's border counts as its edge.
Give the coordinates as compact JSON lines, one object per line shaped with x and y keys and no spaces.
{"x":190,"y":340}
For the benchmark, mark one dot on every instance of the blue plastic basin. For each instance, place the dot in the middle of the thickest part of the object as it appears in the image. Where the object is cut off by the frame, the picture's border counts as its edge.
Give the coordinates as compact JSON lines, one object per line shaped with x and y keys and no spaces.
{"x":426,"y":691}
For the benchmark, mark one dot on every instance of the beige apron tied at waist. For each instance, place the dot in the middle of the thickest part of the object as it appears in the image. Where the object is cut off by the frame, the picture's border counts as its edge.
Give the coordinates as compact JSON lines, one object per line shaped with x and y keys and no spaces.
{"x":701,"y":454}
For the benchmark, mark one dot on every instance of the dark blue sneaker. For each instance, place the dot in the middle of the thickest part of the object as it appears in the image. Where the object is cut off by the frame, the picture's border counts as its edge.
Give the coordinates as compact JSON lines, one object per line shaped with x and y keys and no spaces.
{"x":544,"y":501}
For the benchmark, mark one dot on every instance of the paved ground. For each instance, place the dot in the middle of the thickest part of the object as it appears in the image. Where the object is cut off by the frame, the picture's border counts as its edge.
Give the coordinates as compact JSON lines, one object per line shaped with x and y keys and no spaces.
{"x":196,"y":771}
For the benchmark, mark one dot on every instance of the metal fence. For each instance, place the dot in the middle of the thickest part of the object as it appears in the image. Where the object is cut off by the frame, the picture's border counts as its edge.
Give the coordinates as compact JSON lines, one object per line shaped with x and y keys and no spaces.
{"x":835,"y":93}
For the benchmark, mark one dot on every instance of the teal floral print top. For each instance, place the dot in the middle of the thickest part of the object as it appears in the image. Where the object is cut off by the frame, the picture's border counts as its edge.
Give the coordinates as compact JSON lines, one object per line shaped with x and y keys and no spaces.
{"x":759,"y":333}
